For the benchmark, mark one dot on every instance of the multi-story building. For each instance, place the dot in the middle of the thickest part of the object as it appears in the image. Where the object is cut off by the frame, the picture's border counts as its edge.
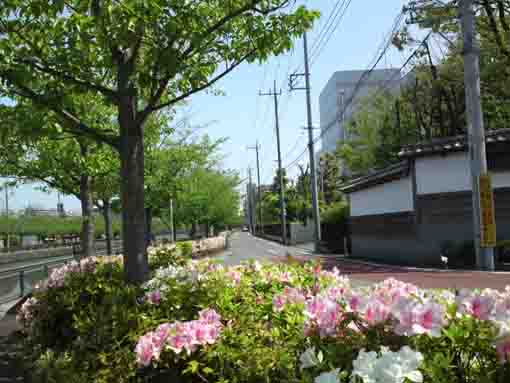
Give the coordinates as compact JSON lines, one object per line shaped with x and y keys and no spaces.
{"x":339,"y":100}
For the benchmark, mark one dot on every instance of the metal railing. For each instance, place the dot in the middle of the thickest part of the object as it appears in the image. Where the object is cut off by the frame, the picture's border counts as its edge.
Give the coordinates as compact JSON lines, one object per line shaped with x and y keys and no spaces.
{"x":23,"y":278}
{"x":20,"y":280}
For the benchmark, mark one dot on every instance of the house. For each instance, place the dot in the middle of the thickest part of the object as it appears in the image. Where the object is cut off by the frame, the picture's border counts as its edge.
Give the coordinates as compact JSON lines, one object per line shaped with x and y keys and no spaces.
{"x":406,"y":212}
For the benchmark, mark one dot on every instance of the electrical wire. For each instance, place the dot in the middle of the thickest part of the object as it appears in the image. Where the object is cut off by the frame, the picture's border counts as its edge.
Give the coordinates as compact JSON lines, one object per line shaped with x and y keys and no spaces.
{"x":339,"y":17}
{"x":380,"y":53}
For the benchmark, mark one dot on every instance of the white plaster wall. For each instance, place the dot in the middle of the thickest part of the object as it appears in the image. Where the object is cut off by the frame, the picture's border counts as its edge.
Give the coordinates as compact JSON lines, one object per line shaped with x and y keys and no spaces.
{"x":451,"y":173}
{"x":500,"y":179}
{"x":391,"y":197}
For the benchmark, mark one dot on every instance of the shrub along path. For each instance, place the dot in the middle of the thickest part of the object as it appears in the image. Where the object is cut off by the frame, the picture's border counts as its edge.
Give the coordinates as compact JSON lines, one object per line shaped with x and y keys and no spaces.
{"x":11,"y":369}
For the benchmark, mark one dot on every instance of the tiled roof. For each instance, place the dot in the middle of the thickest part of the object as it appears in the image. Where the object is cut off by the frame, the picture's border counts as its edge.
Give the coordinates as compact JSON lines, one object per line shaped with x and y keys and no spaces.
{"x":451,"y":144}
{"x":387,"y":174}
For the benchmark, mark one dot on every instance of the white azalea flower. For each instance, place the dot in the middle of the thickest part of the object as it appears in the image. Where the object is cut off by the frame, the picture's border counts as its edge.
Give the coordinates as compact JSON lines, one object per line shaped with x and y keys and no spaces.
{"x":328,"y":377}
{"x":389,"y":367}
{"x":310,"y":359}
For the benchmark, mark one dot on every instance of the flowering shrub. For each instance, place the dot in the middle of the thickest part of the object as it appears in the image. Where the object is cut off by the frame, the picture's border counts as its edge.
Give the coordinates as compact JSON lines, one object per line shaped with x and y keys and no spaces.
{"x":176,"y":254}
{"x":201,"y":321}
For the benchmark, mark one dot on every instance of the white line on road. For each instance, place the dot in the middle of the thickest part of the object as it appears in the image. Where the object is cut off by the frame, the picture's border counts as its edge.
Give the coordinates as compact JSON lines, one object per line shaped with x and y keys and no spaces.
{"x":272,"y":251}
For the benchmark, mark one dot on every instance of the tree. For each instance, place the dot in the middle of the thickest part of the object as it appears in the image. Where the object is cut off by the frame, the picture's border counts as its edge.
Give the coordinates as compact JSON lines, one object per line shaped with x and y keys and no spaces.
{"x":330,"y":178}
{"x":170,"y":160}
{"x":214,"y":205}
{"x":73,"y":166}
{"x":141,"y":57}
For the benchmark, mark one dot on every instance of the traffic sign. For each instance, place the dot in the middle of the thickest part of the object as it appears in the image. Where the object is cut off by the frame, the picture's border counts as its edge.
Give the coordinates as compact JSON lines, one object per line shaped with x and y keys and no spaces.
{"x":487,"y":215}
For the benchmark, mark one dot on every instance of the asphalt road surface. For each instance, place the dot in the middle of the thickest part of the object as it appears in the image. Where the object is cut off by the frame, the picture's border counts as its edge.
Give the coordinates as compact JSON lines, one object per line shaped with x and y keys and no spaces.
{"x":245,"y":247}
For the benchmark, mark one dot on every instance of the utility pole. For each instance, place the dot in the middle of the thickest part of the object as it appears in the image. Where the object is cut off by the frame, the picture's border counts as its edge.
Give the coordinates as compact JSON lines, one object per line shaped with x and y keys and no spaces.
{"x":259,"y":194}
{"x":280,"y":170}
{"x":311,"y":150}
{"x":483,"y":217}
{"x":250,"y":202}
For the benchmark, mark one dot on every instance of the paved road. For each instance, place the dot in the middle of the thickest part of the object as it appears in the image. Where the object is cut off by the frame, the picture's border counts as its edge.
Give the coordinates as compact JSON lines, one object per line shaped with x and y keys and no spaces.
{"x":244,"y":247}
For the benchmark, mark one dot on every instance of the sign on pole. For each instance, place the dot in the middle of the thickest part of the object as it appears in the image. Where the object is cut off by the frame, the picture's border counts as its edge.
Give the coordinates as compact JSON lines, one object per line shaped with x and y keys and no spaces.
{"x":487,"y":215}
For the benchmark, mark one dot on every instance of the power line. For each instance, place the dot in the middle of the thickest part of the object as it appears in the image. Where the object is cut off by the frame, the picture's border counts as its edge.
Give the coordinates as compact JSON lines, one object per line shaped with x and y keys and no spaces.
{"x":413,"y":54}
{"x":327,"y":37}
{"x":332,"y":15}
{"x":378,"y":57}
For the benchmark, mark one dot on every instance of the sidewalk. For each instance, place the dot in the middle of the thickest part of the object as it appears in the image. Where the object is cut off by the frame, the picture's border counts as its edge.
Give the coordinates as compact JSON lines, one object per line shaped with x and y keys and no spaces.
{"x":370,"y":272}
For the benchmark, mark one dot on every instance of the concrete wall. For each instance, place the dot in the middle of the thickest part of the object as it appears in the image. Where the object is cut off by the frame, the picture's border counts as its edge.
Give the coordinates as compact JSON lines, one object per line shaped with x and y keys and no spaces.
{"x":440,"y":174}
{"x":443,"y":213}
{"x":391,"y":197}
{"x":300,"y":233}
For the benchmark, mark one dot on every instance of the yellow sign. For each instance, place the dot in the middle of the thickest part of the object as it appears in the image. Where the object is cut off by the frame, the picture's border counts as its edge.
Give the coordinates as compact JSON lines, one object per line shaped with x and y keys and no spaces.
{"x":487,"y":215}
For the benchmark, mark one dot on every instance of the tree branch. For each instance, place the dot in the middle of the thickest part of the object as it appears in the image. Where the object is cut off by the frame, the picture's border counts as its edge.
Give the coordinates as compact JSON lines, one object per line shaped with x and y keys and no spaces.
{"x":494,"y":27}
{"x":109,"y":93}
{"x":78,"y":126}
{"x":502,"y":16}
{"x":206,"y":85}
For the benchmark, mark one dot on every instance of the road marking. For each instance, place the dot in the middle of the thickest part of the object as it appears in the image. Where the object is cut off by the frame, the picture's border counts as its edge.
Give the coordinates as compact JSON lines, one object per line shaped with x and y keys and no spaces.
{"x":272,"y":251}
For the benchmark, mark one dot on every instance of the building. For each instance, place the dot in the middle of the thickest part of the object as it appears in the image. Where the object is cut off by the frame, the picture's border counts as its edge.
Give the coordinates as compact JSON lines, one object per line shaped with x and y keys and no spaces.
{"x":407,"y":212}
{"x":34,"y":211}
{"x":344,"y":90}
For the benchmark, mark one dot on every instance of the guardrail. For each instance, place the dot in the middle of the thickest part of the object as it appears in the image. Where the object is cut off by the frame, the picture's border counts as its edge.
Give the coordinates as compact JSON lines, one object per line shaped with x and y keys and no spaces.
{"x":24,"y":275}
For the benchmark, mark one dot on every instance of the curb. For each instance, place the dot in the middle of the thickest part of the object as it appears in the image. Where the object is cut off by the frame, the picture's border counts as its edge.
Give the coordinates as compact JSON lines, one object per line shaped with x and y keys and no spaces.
{"x":419,"y":269}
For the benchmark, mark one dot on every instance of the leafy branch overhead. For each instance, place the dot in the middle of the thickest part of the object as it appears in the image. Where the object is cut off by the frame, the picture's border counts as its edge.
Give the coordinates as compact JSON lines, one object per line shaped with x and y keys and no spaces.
{"x":163,"y":51}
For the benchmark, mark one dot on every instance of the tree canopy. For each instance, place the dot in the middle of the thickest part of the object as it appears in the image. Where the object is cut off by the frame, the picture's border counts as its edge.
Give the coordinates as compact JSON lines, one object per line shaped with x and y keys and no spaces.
{"x":139,"y":57}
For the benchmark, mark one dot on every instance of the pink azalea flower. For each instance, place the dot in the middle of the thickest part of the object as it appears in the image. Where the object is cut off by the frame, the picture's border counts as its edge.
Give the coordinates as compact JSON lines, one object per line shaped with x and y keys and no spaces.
{"x":154,"y":297}
{"x":209,"y":316}
{"x":429,"y":319}
{"x":314,"y":306}
{"x":376,"y":312}
{"x":279,"y":302}
{"x":235,"y":276}
{"x":145,"y":350}
{"x":481,"y":307}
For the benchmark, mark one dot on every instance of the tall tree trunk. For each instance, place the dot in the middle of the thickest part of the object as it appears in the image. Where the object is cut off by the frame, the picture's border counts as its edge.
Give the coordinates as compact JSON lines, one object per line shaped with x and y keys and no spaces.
{"x":148,"y":225}
{"x":87,"y":230}
{"x":136,"y":265}
{"x":108,"y":231}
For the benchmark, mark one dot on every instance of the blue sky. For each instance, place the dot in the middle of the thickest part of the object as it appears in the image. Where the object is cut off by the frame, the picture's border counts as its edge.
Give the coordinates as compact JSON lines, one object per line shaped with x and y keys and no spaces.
{"x":245,"y":117}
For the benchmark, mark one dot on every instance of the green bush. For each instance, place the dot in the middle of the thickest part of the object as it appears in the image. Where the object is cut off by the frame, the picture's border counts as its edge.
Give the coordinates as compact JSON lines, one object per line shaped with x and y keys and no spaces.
{"x":87,"y":325}
{"x":336,"y":213}
{"x":170,"y":254}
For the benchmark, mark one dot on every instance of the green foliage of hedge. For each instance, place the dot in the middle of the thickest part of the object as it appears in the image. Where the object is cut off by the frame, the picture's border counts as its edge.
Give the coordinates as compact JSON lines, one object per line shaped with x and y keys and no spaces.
{"x":335,"y":213}
{"x":48,"y":226}
{"x":85,"y":325}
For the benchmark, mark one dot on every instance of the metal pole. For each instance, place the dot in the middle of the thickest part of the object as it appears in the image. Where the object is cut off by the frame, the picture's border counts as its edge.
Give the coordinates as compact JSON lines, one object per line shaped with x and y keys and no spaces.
{"x":21,"y":283}
{"x":280,"y":170}
{"x":474,"y":117}
{"x":172,"y":218}
{"x":259,"y":196}
{"x":6,"y":187}
{"x":250,"y":202}
{"x":315,"y":199}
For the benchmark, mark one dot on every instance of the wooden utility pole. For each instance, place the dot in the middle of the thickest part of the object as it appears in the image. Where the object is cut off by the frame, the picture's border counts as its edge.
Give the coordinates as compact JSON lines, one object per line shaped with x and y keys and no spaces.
{"x":283,"y":213}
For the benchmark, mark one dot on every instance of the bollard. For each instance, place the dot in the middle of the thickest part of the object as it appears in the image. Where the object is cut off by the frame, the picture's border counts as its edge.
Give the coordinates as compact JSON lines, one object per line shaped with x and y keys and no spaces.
{"x":21,"y":283}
